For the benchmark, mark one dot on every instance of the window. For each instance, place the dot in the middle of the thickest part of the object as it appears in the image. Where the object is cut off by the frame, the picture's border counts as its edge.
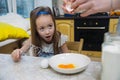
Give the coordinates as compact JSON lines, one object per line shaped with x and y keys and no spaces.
{"x":3,"y":7}
{"x":24,"y":7}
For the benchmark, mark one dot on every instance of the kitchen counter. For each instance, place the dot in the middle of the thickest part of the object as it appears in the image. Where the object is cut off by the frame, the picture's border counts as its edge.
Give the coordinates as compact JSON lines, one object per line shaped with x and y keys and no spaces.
{"x":29,"y":69}
{"x":89,"y":17}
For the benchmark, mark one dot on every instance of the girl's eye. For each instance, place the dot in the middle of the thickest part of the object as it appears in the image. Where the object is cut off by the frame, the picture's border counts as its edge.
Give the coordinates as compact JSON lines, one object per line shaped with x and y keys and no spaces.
{"x":50,"y":26}
{"x":41,"y":29}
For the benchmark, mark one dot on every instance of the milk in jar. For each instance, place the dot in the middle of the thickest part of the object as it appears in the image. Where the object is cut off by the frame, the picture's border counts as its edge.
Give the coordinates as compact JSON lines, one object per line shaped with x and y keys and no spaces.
{"x":110,"y":61}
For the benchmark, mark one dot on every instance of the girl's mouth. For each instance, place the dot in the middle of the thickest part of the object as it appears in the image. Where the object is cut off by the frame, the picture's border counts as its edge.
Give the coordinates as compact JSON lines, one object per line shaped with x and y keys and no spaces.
{"x":48,"y":36}
{"x":48,"y":39}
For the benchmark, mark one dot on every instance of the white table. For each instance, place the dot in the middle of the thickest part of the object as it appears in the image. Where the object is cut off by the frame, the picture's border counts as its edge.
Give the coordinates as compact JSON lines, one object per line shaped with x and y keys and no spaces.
{"x":29,"y":69}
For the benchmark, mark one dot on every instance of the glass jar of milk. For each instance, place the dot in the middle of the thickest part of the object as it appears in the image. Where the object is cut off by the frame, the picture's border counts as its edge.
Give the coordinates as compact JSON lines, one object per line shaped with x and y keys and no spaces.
{"x":111,"y":60}
{"x":111,"y":36}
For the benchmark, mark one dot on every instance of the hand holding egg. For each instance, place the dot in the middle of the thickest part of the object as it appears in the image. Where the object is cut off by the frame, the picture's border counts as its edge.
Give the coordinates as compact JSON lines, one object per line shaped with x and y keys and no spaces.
{"x":68,"y":7}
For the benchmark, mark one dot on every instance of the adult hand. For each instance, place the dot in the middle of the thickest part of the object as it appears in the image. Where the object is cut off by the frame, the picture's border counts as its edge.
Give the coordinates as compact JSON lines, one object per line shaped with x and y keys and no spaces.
{"x":67,"y":6}
{"x":16,"y":55}
{"x":91,"y":6}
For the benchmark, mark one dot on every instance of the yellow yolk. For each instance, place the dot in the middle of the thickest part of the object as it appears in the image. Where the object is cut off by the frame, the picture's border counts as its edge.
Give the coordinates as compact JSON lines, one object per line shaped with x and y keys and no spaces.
{"x":66,"y":66}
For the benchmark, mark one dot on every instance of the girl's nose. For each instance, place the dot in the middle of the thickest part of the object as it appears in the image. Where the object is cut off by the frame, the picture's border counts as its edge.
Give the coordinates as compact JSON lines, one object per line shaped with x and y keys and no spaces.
{"x":47,"y":31}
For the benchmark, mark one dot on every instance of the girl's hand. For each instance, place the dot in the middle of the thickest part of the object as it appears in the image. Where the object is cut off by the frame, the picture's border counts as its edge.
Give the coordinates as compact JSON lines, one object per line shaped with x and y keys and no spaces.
{"x":16,"y":55}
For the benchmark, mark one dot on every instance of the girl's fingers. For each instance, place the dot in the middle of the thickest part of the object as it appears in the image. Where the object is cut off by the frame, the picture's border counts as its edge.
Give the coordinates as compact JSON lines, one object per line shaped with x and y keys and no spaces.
{"x":16,"y":55}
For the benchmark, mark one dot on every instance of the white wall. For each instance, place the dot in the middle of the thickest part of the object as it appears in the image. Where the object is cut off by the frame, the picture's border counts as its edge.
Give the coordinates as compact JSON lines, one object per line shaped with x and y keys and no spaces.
{"x":43,"y":3}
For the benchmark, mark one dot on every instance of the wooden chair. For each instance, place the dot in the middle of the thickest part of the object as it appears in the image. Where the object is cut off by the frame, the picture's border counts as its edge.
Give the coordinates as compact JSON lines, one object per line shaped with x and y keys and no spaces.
{"x":75,"y":46}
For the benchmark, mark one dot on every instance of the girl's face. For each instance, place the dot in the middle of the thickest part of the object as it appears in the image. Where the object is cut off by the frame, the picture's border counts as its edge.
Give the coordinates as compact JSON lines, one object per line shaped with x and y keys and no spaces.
{"x":45,"y":27}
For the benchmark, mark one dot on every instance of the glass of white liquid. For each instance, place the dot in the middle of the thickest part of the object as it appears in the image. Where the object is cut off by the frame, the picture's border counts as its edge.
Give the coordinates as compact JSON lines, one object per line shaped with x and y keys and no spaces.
{"x":110,"y":61}
{"x":111,"y":37}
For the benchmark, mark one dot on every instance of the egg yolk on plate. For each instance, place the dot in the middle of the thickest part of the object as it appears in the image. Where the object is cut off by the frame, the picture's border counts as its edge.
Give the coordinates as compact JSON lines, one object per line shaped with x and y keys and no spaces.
{"x":66,"y":66}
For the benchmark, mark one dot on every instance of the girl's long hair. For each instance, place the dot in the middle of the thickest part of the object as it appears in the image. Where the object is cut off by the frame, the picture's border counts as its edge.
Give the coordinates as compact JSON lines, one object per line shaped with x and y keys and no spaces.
{"x":36,"y":40}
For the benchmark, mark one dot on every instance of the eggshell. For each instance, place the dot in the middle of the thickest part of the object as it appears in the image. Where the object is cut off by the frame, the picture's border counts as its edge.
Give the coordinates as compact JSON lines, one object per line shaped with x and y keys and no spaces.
{"x":68,"y":8}
{"x":44,"y":63}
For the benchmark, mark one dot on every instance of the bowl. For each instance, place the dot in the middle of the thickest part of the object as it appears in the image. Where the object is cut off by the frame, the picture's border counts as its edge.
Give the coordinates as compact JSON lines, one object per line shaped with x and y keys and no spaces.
{"x":69,"y":63}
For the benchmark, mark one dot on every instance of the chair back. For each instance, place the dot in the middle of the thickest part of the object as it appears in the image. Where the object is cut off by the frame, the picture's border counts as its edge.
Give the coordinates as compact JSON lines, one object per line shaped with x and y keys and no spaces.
{"x":75,"y":46}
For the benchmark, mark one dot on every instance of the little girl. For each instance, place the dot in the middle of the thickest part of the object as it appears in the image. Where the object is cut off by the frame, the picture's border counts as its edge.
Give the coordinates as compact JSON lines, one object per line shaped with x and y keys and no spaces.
{"x":45,"y":41}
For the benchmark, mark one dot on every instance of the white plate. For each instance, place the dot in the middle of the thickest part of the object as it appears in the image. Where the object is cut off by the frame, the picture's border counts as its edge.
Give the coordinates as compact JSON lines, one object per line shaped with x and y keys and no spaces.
{"x":80,"y":61}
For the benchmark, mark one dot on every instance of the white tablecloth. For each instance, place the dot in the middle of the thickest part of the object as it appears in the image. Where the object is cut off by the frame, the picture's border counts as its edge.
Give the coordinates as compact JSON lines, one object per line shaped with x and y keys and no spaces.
{"x":29,"y":69}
